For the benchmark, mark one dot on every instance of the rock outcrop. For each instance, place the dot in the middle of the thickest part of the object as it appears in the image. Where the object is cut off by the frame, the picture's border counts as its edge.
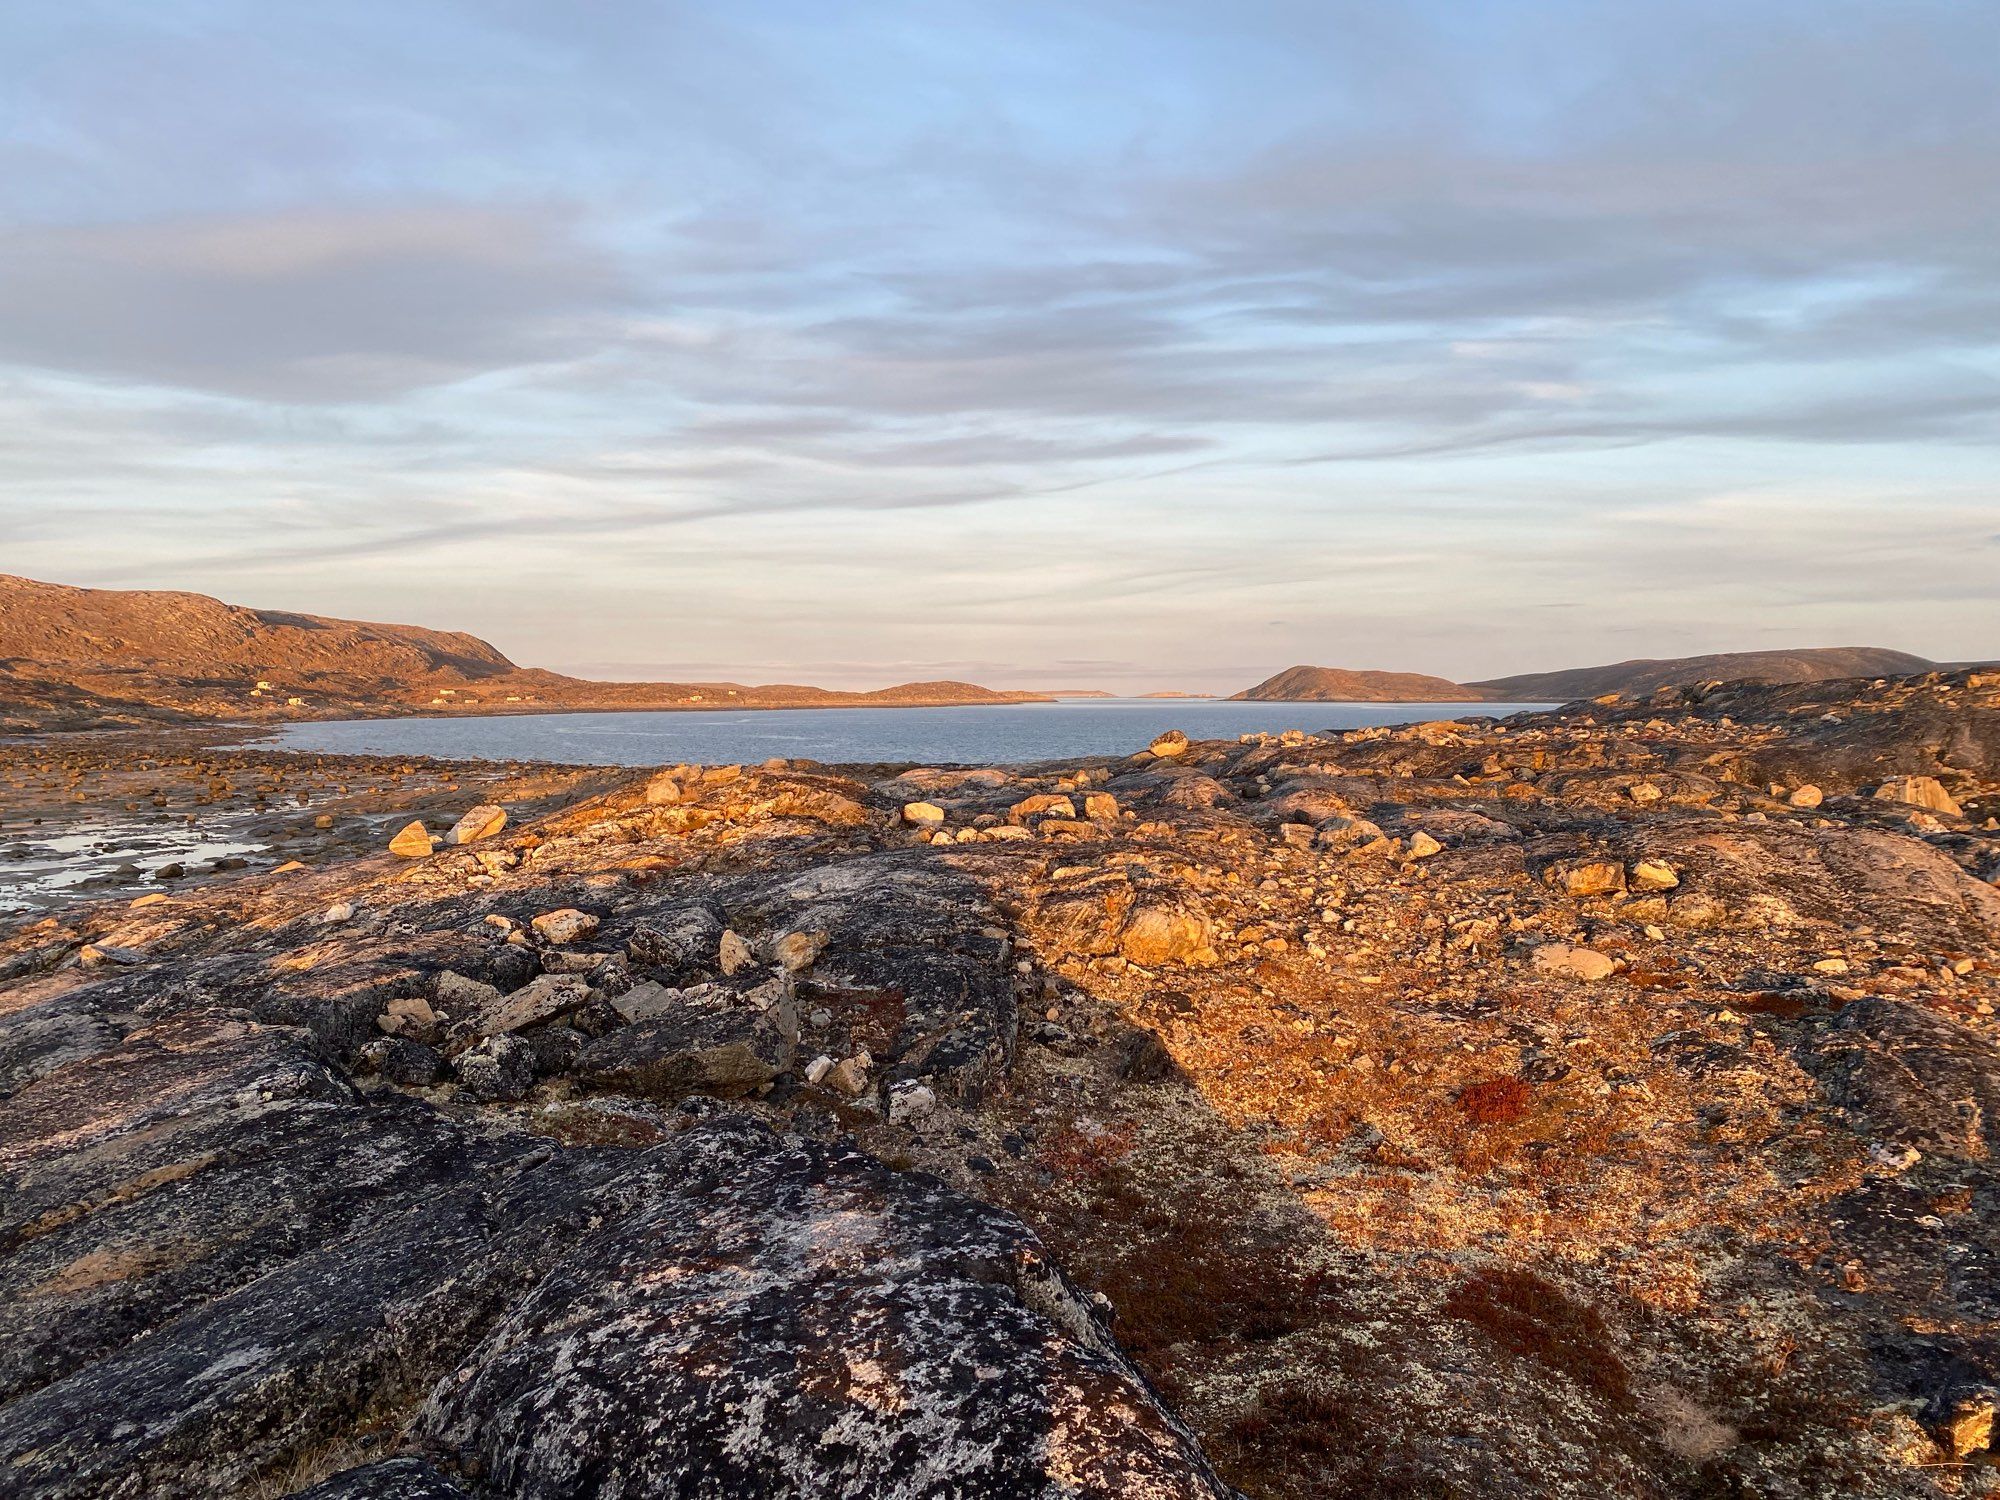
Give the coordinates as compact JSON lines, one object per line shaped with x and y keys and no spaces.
{"x":229,"y":1269}
{"x":1559,"y":1106}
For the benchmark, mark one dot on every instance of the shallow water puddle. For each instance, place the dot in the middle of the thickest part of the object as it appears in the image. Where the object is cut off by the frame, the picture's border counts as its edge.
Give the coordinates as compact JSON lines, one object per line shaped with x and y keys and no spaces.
{"x":38,"y":862}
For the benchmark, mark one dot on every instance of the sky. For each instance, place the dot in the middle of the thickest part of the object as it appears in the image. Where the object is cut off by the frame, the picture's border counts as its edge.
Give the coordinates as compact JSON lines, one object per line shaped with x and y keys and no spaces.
{"x":1134,"y":344}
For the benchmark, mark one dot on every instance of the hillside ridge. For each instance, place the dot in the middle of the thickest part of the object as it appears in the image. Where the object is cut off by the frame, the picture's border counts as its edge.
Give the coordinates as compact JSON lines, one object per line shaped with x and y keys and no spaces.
{"x":1645,"y":674}
{"x":1303,"y":684}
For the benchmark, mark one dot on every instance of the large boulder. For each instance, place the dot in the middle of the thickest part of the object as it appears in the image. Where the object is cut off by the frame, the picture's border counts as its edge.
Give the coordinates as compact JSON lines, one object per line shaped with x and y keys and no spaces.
{"x":1919,"y":791}
{"x":911,"y":959}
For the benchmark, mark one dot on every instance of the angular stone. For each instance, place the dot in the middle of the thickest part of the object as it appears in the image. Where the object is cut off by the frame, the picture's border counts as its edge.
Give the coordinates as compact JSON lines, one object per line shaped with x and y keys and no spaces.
{"x":481,"y":822}
{"x":1969,"y":1428}
{"x":1165,"y":930}
{"x":98,"y":955}
{"x":1919,"y":791}
{"x":676,"y":939}
{"x":1150,"y":923}
{"x":499,"y":1068}
{"x":648,"y":1001}
{"x":1347,"y":834}
{"x":539,"y":999}
{"x":1169,"y":745}
{"x":733,"y":954}
{"x":412,"y":841}
{"x":849,"y":1076}
{"x":411,"y":1016}
{"x":923,"y":814}
{"x":565,"y":926}
{"x":402,"y":1061}
{"x":1597,"y":877}
{"x":909,"y":1102}
{"x":1654,"y":875}
{"x":1045,"y":803}
{"x":795,"y":952}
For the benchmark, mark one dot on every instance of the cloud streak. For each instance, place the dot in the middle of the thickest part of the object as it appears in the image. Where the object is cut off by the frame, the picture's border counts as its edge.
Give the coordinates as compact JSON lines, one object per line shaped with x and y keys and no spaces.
{"x":1143,"y":319}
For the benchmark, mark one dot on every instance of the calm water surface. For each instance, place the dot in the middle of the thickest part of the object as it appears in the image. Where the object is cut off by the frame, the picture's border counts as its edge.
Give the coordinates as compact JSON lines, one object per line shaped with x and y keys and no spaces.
{"x":988,"y":734}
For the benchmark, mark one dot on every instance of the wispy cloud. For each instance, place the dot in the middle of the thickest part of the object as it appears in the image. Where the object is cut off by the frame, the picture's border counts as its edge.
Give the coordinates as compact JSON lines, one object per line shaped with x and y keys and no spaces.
{"x":1100,"y":332}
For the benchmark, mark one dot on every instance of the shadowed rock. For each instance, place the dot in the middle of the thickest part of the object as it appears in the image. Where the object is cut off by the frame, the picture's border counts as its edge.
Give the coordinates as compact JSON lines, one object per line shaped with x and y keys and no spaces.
{"x":722,"y":1053}
{"x":224,"y":1264}
{"x":799,"y":1320}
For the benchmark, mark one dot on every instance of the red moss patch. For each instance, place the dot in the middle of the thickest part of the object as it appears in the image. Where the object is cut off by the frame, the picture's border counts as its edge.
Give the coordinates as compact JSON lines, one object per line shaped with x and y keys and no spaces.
{"x":1494,"y":1101}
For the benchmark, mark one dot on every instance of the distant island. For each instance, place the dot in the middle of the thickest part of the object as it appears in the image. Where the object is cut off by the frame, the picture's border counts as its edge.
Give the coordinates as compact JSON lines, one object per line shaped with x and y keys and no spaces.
{"x":1339,"y":685}
{"x":1102,"y":693}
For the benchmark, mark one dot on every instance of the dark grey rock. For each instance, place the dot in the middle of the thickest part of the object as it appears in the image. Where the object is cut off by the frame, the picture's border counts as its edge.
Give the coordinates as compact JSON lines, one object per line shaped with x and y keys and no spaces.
{"x":411,"y":1064}
{"x":556,"y":1048}
{"x":1144,"y":1058}
{"x":498,"y":1068}
{"x":395,"y":1479}
{"x":221,"y":1265}
{"x":797,"y":1320}
{"x":723,"y":1052}
{"x":676,"y":941}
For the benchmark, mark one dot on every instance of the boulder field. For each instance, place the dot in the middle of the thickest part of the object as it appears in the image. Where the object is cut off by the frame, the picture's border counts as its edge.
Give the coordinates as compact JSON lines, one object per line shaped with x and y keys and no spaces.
{"x":1585,"y":1103}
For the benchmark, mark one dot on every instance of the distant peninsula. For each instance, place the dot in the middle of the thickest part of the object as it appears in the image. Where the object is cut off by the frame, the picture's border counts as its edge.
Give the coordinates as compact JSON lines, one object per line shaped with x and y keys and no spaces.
{"x":1634,"y":678}
{"x":78,"y":658}
{"x":1644,"y":675}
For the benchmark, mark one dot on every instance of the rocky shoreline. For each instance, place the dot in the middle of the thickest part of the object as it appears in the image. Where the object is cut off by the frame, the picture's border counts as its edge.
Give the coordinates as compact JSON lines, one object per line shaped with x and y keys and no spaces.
{"x":1593,"y":1102}
{"x":84,"y":816}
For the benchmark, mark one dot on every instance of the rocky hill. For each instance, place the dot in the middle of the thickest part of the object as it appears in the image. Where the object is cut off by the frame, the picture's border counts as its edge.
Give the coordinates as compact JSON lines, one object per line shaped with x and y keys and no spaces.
{"x":1593,"y":1103}
{"x":1819,"y":664}
{"x":181,"y":632}
{"x":77,"y":658}
{"x":1339,"y":685}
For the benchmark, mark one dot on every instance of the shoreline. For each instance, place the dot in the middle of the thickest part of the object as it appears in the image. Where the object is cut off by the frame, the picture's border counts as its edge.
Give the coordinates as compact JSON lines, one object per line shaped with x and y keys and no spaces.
{"x":1006,"y":736}
{"x":240,"y":800}
{"x":512,"y":711}
{"x":176,"y":719}
{"x":378,"y":712}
